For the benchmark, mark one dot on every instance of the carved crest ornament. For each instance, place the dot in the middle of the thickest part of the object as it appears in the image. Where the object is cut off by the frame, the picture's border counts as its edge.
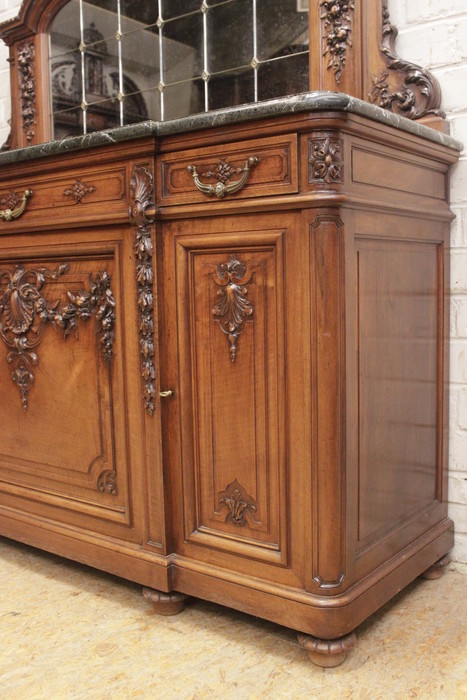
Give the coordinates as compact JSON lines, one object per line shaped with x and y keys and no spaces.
{"x":238,"y":503}
{"x":142,"y":188}
{"x":24,"y":314}
{"x":233,"y":306}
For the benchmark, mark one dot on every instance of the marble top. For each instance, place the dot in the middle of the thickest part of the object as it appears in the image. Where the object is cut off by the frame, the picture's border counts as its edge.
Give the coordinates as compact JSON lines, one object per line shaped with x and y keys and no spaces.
{"x":304,"y":102}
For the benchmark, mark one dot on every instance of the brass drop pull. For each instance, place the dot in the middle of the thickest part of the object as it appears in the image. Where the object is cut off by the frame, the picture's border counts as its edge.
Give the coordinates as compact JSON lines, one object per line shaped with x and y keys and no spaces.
{"x":166,"y":394}
{"x":10,"y":214}
{"x":223,"y":188}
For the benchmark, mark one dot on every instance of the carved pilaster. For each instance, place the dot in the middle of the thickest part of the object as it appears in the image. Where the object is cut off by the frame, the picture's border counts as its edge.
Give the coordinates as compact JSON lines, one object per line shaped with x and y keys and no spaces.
{"x":142,"y":188}
{"x":26,"y":59}
{"x":24,"y":313}
{"x":404,"y":88}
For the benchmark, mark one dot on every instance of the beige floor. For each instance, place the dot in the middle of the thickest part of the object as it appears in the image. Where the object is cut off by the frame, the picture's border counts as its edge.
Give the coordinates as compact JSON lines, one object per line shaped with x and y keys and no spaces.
{"x":69,"y":632}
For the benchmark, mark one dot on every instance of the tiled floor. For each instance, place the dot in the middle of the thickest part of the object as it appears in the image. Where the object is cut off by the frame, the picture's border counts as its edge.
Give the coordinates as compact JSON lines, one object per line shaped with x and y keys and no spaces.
{"x":69,"y":632}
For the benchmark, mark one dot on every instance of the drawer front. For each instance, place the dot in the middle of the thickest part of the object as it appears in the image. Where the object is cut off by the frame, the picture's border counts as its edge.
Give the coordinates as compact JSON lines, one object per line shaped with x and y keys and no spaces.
{"x":272,"y":170}
{"x":69,"y":196}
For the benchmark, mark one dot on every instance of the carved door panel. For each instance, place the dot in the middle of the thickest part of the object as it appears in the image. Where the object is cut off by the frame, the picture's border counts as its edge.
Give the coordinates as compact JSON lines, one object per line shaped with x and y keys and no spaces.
{"x":69,"y":450}
{"x":231,"y":468}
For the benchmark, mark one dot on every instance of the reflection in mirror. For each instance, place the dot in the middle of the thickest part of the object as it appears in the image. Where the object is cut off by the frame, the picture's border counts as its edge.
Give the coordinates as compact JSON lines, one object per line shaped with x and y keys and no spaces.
{"x":116,"y":62}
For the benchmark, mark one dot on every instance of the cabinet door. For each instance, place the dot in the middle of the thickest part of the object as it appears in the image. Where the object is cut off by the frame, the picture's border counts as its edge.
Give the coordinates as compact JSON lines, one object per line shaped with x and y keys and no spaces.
{"x":231,"y":470}
{"x":71,"y":412}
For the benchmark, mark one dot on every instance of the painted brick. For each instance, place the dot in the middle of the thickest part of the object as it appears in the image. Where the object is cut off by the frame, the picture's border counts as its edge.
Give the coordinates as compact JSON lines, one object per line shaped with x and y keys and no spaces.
{"x":459,"y":316}
{"x":458,"y":488}
{"x":458,"y":451}
{"x":459,"y":553}
{"x":453,"y":80}
{"x":458,"y":124}
{"x":459,"y":361}
{"x":459,"y":271}
{"x":420,"y":10}
{"x":458,"y":228}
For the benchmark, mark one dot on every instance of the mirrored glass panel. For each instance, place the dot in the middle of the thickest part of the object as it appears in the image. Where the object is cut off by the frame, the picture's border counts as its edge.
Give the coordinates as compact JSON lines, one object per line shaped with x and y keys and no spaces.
{"x":123,"y":61}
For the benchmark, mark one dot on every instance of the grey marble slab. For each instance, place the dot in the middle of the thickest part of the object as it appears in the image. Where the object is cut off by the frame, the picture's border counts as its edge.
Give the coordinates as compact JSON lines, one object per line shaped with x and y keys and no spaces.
{"x":305,"y":102}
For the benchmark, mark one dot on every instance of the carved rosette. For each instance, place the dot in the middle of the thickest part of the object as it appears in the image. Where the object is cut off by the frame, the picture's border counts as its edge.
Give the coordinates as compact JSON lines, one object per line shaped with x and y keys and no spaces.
{"x":337,"y":33}
{"x":107,"y":482}
{"x":326,"y":160}
{"x":415,"y":92}
{"x":233,"y":306}
{"x":24,"y":313}
{"x":238,"y":504}
{"x":142,"y":188}
{"x":27,"y":84}
{"x":79,"y":191}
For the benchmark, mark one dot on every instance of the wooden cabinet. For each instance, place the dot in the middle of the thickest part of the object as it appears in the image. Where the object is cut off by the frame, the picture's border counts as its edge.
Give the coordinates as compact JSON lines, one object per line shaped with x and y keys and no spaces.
{"x":236,"y":394}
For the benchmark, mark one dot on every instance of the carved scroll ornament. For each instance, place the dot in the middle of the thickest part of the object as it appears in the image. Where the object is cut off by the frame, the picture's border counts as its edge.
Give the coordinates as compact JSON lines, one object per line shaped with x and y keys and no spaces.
{"x":238,"y":504}
{"x":337,"y":35}
{"x":142,"y":188}
{"x":24,"y":313}
{"x":233,"y":306}
{"x":418,"y":95}
{"x":27,"y":83}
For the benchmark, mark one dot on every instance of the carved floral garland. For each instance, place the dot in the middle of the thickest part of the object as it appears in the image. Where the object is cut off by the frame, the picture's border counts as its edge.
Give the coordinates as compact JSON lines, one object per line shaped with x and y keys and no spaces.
{"x":337,"y":38}
{"x":142,"y":187}
{"x":26,"y":71}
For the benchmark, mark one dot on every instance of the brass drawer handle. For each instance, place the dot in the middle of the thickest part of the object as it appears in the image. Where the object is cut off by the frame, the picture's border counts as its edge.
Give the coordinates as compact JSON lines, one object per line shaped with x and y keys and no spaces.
{"x":10,"y":214}
{"x":166,"y":394}
{"x":221,"y":189}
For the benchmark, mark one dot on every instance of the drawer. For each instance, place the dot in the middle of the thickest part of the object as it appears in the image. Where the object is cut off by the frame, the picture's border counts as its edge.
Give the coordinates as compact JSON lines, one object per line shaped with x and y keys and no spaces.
{"x":66,"y":197}
{"x":272,"y":170}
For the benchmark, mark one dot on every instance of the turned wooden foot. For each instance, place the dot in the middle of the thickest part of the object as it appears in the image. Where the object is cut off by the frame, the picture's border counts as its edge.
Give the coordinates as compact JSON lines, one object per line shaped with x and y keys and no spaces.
{"x":327,"y":653}
{"x":438,"y":568}
{"x":165,"y":603}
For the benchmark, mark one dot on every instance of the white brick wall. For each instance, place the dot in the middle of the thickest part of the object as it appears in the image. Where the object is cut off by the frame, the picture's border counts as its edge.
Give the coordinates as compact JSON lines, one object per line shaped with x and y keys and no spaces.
{"x":432,"y":33}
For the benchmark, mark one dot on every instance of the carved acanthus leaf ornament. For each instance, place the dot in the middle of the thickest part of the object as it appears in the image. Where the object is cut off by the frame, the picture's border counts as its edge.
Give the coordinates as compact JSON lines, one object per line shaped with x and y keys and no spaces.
{"x":233,"y":306}
{"x":337,"y":35}
{"x":142,"y":188}
{"x":418,"y":95}
{"x":24,"y":313}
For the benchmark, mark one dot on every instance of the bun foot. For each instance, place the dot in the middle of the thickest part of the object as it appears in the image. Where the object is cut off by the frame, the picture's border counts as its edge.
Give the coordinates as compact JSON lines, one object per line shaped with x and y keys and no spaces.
{"x":165,"y":603}
{"x":437,"y":570}
{"x":327,"y":653}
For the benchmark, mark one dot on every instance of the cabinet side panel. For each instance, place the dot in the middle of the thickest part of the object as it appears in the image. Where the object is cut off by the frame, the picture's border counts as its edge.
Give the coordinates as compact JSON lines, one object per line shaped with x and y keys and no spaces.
{"x":399,"y":338}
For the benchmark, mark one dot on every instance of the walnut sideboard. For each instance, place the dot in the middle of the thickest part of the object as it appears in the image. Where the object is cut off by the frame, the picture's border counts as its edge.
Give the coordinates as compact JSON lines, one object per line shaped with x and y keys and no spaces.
{"x":224,"y":358}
